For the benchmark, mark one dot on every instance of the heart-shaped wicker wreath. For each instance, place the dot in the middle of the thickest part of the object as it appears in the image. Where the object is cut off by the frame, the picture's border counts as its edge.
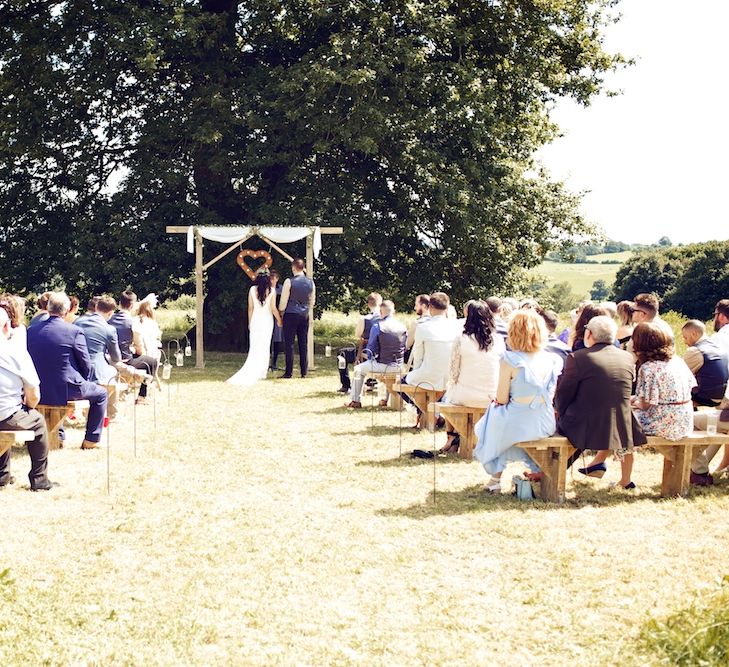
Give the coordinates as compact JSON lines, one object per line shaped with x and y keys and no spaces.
{"x":253,"y":254}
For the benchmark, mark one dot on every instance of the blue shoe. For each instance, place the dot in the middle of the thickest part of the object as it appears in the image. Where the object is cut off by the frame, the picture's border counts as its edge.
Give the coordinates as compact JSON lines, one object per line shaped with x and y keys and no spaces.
{"x":598,"y":470}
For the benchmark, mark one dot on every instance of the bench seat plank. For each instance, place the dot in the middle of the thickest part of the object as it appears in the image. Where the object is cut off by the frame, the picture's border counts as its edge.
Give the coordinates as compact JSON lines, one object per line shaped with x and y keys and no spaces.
{"x":54,"y":416}
{"x":551,"y":455}
{"x":10,"y":438}
{"x":422,"y":397}
{"x":463,"y":418}
{"x":389,"y":379}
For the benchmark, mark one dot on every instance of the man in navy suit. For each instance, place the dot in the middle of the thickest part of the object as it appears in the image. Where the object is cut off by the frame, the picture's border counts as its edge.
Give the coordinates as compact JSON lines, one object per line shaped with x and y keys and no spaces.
{"x":60,"y":355}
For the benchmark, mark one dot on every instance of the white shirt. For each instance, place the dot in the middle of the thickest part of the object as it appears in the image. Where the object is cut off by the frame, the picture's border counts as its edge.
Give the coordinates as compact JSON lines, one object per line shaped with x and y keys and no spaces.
{"x":721,"y":338}
{"x":432,"y":351}
{"x":16,"y":371}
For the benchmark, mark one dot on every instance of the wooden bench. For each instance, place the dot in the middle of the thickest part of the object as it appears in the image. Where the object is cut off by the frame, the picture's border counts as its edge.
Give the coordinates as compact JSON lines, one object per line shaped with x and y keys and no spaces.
{"x":422,"y":396}
{"x":10,"y":438}
{"x":551,"y":455}
{"x":463,"y":418}
{"x":389,"y":379}
{"x":54,"y":416}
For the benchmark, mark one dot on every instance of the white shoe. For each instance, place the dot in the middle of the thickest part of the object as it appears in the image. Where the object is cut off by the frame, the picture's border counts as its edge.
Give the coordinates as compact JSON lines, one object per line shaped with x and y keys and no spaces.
{"x":493,"y":485}
{"x":719,"y":473}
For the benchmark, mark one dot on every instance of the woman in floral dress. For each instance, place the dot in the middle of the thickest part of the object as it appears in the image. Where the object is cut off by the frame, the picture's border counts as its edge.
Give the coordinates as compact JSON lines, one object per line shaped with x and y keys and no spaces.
{"x":662,"y":401}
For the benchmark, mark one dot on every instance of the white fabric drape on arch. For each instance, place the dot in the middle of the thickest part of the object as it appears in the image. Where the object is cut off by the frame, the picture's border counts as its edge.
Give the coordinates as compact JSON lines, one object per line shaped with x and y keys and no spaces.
{"x":276,"y":234}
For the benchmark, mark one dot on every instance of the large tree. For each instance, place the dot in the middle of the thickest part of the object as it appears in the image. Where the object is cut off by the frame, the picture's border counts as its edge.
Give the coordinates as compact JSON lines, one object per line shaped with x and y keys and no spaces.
{"x":410,"y":124}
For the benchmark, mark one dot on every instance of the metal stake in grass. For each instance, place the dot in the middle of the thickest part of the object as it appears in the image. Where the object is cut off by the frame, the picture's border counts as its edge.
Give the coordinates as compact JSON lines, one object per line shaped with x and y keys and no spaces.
{"x":435,"y":454}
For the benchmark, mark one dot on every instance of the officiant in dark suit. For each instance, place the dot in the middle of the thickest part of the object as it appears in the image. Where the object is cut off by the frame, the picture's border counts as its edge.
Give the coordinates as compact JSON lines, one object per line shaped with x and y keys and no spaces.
{"x":593,"y":400}
{"x":60,"y":355}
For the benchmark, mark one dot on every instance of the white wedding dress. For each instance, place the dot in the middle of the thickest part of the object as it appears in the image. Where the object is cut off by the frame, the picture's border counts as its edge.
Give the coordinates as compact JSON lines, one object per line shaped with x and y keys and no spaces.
{"x":260,"y":332}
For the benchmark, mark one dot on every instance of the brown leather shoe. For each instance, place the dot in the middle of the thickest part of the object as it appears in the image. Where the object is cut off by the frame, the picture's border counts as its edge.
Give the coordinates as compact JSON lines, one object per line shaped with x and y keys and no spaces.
{"x":383,"y":403}
{"x":87,"y":444}
{"x":353,"y":404}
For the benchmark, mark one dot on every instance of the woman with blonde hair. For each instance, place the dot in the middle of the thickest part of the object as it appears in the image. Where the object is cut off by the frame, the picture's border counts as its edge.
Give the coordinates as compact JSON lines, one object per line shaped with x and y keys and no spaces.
{"x":523,"y":407}
{"x":625,"y":324}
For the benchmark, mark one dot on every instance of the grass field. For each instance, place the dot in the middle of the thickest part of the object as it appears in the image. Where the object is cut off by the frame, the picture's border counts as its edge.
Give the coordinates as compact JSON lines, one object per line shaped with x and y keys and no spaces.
{"x":271,"y":526}
{"x":579,"y":276}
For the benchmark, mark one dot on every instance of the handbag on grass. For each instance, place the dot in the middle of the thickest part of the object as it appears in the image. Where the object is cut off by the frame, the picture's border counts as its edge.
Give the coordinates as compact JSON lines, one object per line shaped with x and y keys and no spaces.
{"x":523,"y":489}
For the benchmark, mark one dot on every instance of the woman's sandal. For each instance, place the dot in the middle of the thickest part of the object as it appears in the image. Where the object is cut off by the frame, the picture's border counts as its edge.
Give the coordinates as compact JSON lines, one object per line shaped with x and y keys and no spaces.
{"x":597,"y":470}
{"x":452,"y":446}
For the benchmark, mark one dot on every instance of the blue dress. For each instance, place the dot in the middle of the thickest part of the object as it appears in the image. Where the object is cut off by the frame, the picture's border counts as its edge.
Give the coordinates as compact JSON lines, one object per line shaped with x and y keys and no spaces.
{"x":504,"y":425}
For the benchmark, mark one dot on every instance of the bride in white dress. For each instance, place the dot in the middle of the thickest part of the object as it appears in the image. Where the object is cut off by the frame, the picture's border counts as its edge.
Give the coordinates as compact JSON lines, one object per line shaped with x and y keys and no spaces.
{"x":261,"y":313}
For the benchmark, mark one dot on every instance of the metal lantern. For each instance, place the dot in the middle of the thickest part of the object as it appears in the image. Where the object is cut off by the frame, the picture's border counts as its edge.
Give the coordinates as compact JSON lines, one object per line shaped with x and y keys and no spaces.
{"x":179,"y":358}
{"x":188,"y":347}
{"x":327,"y":350}
{"x":166,"y":370}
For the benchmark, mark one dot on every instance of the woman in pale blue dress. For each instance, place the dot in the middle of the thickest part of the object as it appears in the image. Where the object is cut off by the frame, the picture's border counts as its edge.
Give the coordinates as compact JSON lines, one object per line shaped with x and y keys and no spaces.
{"x":523,"y":409}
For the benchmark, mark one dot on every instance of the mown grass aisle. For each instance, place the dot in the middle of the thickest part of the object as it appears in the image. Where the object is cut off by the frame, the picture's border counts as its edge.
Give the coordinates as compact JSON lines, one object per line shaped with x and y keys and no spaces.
{"x":272,"y":526}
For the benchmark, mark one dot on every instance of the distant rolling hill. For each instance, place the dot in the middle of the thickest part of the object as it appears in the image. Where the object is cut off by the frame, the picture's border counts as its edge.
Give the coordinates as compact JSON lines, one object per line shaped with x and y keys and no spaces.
{"x":582,"y":276}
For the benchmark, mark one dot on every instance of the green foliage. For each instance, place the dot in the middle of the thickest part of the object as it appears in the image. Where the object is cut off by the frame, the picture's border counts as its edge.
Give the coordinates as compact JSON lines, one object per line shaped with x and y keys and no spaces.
{"x":412,"y":125}
{"x":697,"y":635}
{"x":599,"y":291}
{"x":689,"y":279}
{"x":557,"y":296}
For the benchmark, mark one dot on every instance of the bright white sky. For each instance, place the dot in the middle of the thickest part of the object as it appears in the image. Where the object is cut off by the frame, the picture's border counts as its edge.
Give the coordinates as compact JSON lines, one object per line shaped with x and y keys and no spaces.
{"x":655,"y":158}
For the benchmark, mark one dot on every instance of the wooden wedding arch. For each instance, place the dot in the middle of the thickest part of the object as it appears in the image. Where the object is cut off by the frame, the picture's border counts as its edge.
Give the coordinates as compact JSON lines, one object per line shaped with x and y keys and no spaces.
{"x":196,"y":234}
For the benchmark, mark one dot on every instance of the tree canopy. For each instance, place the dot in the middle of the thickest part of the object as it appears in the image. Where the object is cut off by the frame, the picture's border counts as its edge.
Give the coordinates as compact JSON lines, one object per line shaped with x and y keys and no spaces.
{"x":688,"y":279}
{"x":410,"y":124}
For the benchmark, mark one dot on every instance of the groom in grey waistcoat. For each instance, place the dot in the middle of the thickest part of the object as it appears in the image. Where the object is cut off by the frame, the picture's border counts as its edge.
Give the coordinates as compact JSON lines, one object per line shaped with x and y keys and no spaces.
{"x":297,"y":302}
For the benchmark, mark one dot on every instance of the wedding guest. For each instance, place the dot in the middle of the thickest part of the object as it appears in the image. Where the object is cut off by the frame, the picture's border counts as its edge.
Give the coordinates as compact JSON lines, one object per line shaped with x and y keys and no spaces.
{"x":611,"y":307}
{"x":60,"y":355}
{"x":103,"y":346}
{"x":422,"y":310}
{"x":361,"y":334}
{"x":474,"y":366}
{"x":431,"y":351}
{"x":41,"y":314}
{"x":385,"y":350}
{"x":625,"y":323}
{"x":554,"y":344}
{"x":662,"y":400}
{"x":277,"y":337}
{"x":523,"y":408}
{"x":587,"y":312}
{"x":707,"y":361}
{"x":19,"y":394}
{"x":646,"y":310}
{"x":721,"y":325}
{"x":593,"y":401}
{"x":494,"y":304}
{"x":72,"y":313}
{"x":130,"y":341}
{"x":700,"y":465}
{"x":14,"y":306}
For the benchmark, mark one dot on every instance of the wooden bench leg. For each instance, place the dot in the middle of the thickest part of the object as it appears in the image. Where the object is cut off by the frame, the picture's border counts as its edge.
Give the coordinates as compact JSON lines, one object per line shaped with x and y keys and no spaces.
{"x":553,"y":463}
{"x":676,"y":471}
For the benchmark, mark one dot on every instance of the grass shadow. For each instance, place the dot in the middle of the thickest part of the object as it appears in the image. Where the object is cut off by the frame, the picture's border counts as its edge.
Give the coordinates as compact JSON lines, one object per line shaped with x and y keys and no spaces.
{"x":474,"y":499}
{"x":377,"y":431}
{"x":406,"y":461}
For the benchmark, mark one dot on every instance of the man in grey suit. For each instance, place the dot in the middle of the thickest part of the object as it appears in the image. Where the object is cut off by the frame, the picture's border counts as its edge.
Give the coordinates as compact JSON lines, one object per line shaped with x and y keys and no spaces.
{"x":593,"y":400}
